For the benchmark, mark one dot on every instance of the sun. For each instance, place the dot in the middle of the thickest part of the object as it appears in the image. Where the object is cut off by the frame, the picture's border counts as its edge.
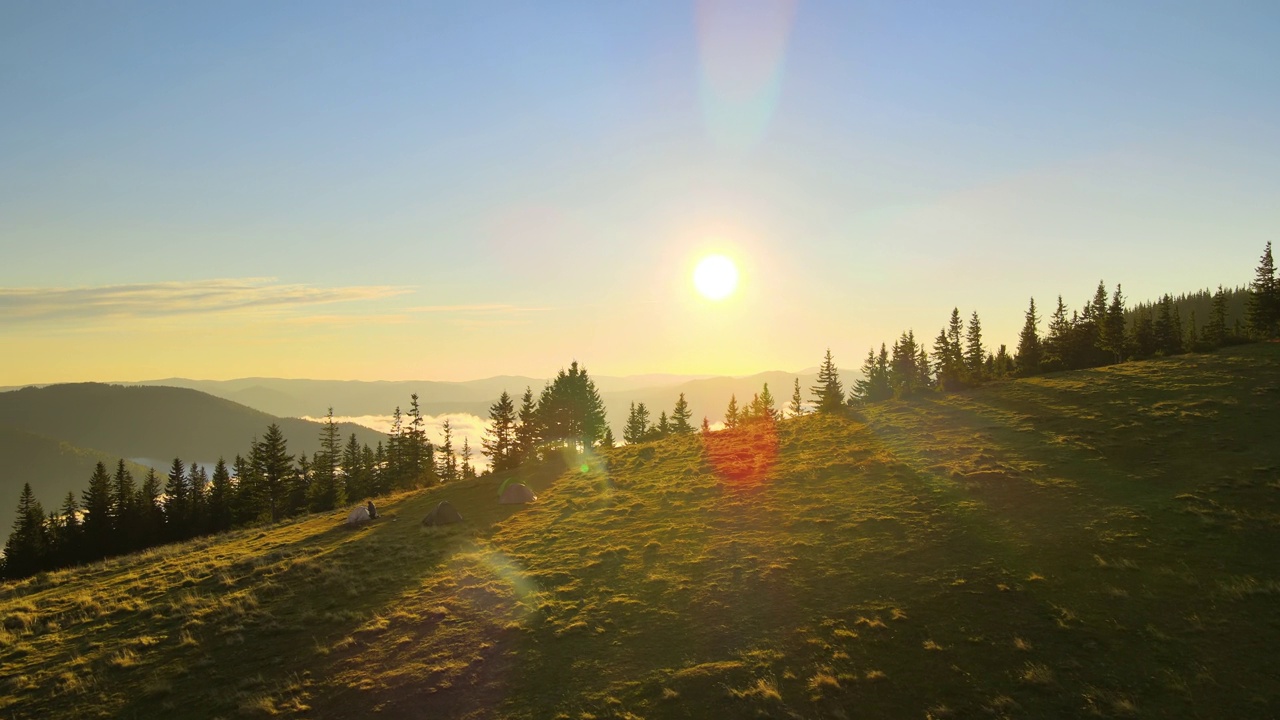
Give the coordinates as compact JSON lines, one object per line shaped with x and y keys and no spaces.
{"x":715,"y":277}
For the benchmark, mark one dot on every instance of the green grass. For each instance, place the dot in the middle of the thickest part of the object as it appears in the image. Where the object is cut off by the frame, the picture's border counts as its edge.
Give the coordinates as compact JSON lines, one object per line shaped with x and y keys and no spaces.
{"x":1098,"y":543}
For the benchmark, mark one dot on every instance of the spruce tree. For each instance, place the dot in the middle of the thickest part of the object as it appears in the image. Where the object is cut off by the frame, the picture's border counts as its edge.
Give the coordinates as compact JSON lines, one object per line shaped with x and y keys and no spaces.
{"x":355,"y":484}
{"x":1113,"y":335}
{"x":767,"y":411}
{"x":527,"y":434}
{"x":218,"y":509}
{"x":974,"y":352}
{"x":27,"y":550}
{"x":64,"y":539}
{"x":1215,"y":331}
{"x":124,"y":510}
{"x":1264,"y":298}
{"x":396,"y":470}
{"x":467,"y":471}
{"x":1029,"y":352}
{"x":570,"y":411}
{"x":731,"y":413}
{"x":680,"y":418}
{"x":298,"y":485}
{"x":150,"y":511}
{"x":637,"y":427}
{"x":946,"y":363}
{"x":706,"y":425}
{"x":829,"y":391}
{"x":448,"y":462}
{"x":325,"y":491}
{"x":273,"y":468}
{"x":1145,"y":343}
{"x":197,"y":486}
{"x":99,"y":526}
{"x":664,"y":426}
{"x":499,"y":443}
{"x":797,"y":403}
{"x":607,"y":442}
{"x":416,"y":461}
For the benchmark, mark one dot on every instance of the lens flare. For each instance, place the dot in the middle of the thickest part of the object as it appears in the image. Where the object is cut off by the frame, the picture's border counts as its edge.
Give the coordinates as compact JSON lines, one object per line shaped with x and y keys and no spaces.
{"x":743,"y":457}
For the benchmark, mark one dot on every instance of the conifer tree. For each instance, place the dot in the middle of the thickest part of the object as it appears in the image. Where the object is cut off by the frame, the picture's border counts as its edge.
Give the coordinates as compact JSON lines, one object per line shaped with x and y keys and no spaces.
{"x":467,"y":471}
{"x":766,"y":409}
{"x":26,"y":551}
{"x":1056,"y":347}
{"x":527,"y":434}
{"x":731,"y":413}
{"x":416,"y":451}
{"x":906,"y":373}
{"x":607,"y":442}
{"x":829,"y":391}
{"x":797,"y":403}
{"x":637,"y":427}
{"x":298,"y":485}
{"x":150,"y":510}
{"x":1215,"y":331}
{"x":218,"y":513}
{"x":706,"y":425}
{"x":1145,"y":343}
{"x":1029,"y":352}
{"x":1002,"y":363}
{"x":64,"y":538}
{"x":680,"y":418}
{"x":499,"y":443}
{"x":326,"y":491}
{"x":1168,"y":329}
{"x":197,"y":486}
{"x":664,"y":425}
{"x":273,"y":468}
{"x":124,"y":510}
{"x":1264,"y":298}
{"x":946,"y":363}
{"x":448,"y":469}
{"x":570,"y":411}
{"x":974,"y":352}
{"x":355,"y":483}
{"x":99,"y":530}
{"x":1113,"y":335}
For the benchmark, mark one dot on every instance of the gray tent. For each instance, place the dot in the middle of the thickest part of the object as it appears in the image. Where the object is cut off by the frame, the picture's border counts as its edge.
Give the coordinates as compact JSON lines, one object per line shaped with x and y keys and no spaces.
{"x":444,"y":514}
{"x":358,"y":516}
{"x":517,"y":494}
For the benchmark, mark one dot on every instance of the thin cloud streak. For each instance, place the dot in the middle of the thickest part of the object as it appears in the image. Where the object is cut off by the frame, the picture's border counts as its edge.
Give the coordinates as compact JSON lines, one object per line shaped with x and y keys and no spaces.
{"x":477,"y":309}
{"x":22,"y":305}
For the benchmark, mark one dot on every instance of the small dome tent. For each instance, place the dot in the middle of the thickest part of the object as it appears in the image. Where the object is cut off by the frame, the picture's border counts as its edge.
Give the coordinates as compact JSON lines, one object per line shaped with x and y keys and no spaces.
{"x":443,"y":514}
{"x":516,"y":494}
{"x":358,"y":516}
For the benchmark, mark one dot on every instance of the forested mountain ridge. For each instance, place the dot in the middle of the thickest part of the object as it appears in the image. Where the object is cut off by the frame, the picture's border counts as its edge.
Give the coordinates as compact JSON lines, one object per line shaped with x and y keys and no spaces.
{"x":53,"y":467}
{"x":160,"y":423}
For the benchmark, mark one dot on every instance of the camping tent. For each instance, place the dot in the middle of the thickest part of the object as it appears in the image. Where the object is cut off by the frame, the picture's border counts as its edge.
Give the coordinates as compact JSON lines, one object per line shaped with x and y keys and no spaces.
{"x":444,"y":514}
{"x":357,"y":516}
{"x":517,"y":494}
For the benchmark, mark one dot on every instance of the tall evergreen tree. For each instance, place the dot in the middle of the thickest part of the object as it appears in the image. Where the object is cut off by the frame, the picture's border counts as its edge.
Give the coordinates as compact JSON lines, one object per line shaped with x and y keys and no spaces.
{"x":298,"y":485}
{"x":527,"y":434}
{"x":1114,"y":341}
{"x":947,"y":362}
{"x":797,"y":403}
{"x":1215,"y":331}
{"x":197,"y":486}
{"x":64,"y":538}
{"x":499,"y":443}
{"x":1264,"y":298}
{"x":177,"y":502}
{"x":570,"y":411}
{"x":1168,"y":329}
{"x":26,"y":551}
{"x":607,"y":441}
{"x":766,"y":409}
{"x":637,"y":427}
{"x":150,"y":509}
{"x":218,"y":509}
{"x":124,"y":503}
{"x":731,"y":413}
{"x":273,"y":466}
{"x":907,"y":375}
{"x":448,"y":469}
{"x":829,"y":391}
{"x":680,"y":418}
{"x":1029,"y":351}
{"x":1145,"y":343}
{"x":355,"y":481}
{"x":974,"y":353}
{"x":326,"y":490}
{"x":664,"y":425}
{"x":99,"y":526}
{"x":467,"y":471}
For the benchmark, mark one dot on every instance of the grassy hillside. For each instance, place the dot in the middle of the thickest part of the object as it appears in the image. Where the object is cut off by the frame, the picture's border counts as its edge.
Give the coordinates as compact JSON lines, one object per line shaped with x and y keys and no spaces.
{"x":151,"y":422}
{"x":53,"y":468}
{"x":1099,"y":543}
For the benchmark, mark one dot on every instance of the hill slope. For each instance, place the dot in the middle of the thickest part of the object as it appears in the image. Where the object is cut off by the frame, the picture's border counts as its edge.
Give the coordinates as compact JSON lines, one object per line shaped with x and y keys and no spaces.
{"x":152,"y":422}
{"x":1093,"y":543}
{"x":53,"y":468}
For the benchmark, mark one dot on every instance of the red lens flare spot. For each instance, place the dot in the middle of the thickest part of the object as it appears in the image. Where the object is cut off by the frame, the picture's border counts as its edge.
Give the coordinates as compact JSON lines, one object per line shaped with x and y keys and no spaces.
{"x":743,"y":457}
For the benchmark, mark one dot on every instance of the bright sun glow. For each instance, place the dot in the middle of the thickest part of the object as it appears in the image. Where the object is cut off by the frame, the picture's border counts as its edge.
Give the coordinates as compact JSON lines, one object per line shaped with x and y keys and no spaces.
{"x":715,"y":277}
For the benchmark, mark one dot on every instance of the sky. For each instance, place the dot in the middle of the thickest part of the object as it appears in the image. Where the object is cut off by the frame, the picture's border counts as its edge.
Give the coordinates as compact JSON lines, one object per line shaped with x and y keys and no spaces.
{"x":450,"y":191}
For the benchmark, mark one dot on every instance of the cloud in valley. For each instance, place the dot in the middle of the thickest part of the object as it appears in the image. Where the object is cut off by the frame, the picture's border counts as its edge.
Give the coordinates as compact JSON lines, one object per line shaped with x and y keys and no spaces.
{"x":464,"y":426}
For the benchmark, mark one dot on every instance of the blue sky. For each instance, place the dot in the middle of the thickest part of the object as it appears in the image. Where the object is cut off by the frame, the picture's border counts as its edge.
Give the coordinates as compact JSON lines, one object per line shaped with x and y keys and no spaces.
{"x":447,"y":191}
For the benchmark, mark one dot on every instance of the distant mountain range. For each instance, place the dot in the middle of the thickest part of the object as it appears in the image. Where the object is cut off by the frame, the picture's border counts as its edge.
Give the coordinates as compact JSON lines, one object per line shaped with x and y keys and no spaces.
{"x":59,"y":430}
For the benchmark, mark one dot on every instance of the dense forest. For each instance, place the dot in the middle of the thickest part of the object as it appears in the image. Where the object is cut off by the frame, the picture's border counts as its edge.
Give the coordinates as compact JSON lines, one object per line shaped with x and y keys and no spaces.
{"x":116,"y":514}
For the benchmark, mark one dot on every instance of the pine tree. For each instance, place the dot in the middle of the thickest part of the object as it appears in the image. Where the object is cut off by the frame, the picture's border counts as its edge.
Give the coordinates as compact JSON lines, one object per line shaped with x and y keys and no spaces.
{"x":298,"y":485}
{"x":416,"y":461}
{"x":1056,"y":346}
{"x":27,"y":549}
{"x":1145,"y":343}
{"x":1215,"y":331}
{"x":99,"y":530}
{"x":468,"y":471}
{"x":150,"y":511}
{"x":664,"y":425}
{"x":527,"y":434}
{"x":731,"y":413}
{"x":448,"y":468}
{"x":197,"y":485}
{"x":218,"y":507}
{"x":397,"y":470}
{"x":273,"y":467}
{"x":1002,"y":363}
{"x":829,"y":391}
{"x":974,"y":352}
{"x":946,"y":362}
{"x":907,"y":375}
{"x":680,"y":418}
{"x":64,"y":538}
{"x":355,"y":483}
{"x":1113,"y":336}
{"x":325,"y":491}
{"x":1264,"y":298}
{"x":124,"y":515}
{"x":570,"y":411}
{"x":1168,"y":329}
{"x":797,"y":403}
{"x":706,"y":425}
{"x":637,"y":427}
{"x":499,"y":443}
{"x":607,"y":442}
{"x":766,"y":409}
{"x":1029,"y":352}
